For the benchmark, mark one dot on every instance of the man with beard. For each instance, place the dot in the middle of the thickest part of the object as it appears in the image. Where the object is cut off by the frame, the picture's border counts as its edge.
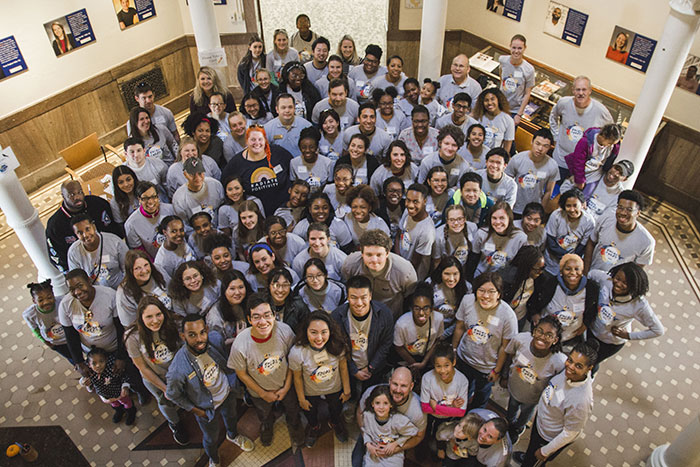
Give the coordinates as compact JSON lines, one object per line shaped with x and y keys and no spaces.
{"x":199,"y":381}
{"x":59,"y":233}
{"x":407,"y":403}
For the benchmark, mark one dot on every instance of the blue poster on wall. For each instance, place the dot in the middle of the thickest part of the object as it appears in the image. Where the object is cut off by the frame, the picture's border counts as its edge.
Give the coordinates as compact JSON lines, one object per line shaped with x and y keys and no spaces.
{"x":565,"y":23}
{"x":11,"y":60}
{"x":131,"y":12}
{"x":512,"y":9}
{"x":641,"y":52}
{"x":69,"y":32}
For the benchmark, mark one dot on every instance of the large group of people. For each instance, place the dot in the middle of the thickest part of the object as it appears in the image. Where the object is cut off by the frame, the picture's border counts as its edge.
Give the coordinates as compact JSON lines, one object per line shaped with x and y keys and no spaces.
{"x":348,"y":235}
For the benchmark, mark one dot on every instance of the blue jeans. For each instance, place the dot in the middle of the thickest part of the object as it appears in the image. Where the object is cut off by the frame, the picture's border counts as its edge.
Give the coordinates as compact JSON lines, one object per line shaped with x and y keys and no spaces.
{"x":479,"y":385}
{"x":210,"y":429}
{"x":166,"y":407}
{"x":517,"y":421}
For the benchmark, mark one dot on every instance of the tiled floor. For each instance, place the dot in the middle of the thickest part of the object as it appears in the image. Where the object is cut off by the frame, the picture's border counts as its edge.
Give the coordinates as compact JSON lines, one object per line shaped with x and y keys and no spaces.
{"x":644,"y":396}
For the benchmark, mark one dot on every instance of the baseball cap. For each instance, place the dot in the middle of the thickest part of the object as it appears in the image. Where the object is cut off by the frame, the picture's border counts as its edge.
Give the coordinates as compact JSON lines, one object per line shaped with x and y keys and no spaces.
{"x":626,"y":167}
{"x":193,"y":166}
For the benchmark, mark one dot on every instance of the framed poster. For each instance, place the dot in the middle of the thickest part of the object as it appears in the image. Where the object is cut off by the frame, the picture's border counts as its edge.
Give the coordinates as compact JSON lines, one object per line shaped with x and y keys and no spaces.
{"x":11,"y":60}
{"x":565,"y":23}
{"x":688,"y":79}
{"x":69,"y":32}
{"x":512,"y":9}
{"x":631,"y":49}
{"x":131,"y":12}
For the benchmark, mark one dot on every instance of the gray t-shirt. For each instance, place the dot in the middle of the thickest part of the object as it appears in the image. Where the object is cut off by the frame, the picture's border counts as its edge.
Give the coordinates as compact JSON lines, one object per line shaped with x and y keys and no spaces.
{"x":569,"y":235}
{"x":325,"y":300}
{"x":602,"y":199}
{"x":208,"y":199}
{"x":379,"y":141}
{"x":359,"y":339}
{"x":348,"y":114}
{"x":568,"y":309}
{"x":357,"y":230}
{"x":165,"y":148}
{"x":418,"y":340}
{"x":383,"y":172}
{"x":448,"y":89}
{"x":142,"y":231}
{"x":155,"y":171}
{"x":47,"y":324}
{"x":265,"y":362}
{"x":105,"y":265}
{"x":313,"y":73}
{"x":410,"y":408}
{"x":176,"y":177}
{"x":127,"y":305}
{"x":333,"y":261}
{"x":455,"y":244}
{"x":95,"y":325}
{"x":320,"y":370}
{"x":433,"y":387}
{"x":485,"y":331}
{"x":531,"y":178}
{"x":316,"y":175}
{"x":380,"y":82}
{"x":214,"y":378}
{"x":168,"y":261}
{"x":536,"y":237}
{"x":504,"y":190}
{"x":396,"y":125}
{"x":398,"y":429}
{"x":333,"y":150}
{"x":500,"y":128}
{"x":322,"y":86}
{"x":455,"y":168}
{"x":162,"y":355}
{"x":363,"y":85}
{"x":514,"y":80}
{"x":162,"y":116}
{"x":615,"y":247}
{"x":496,"y":251}
{"x":416,"y":237}
{"x":568,"y":125}
{"x":528,"y":374}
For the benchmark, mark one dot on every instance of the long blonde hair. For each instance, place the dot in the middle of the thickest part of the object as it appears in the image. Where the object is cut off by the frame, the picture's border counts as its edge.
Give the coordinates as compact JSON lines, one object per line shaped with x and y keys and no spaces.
{"x":354,"y":60}
{"x":198,"y":94}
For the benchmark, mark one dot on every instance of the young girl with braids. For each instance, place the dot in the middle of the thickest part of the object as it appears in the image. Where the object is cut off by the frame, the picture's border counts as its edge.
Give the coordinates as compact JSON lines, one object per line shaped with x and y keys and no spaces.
{"x":42,"y":317}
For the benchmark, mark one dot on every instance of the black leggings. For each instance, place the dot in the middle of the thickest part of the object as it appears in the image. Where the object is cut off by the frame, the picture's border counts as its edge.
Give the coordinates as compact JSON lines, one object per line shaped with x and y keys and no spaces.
{"x":536,"y":442}
{"x":335,"y":407}
{"x":605,"y":351}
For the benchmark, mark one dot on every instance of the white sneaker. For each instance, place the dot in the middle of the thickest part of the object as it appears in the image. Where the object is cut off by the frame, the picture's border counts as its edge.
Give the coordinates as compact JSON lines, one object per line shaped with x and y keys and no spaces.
{"x":242,"y":442}
{"x":213,"y":464}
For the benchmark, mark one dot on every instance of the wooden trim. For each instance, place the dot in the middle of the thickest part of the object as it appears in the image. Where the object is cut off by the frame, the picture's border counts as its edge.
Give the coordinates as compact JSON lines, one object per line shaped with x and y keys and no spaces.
{"x":249,"y":15}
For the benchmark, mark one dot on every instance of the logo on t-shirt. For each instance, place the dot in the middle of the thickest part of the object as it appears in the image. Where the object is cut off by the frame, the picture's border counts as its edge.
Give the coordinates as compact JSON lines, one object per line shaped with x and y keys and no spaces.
{"x":497,"y":259}
{"x":459,"y":451}
{"x":269,"y":364}
{"x":447,"y":399}
{"x":386,"y":439}
{"x":447,"y":311}
{"x":510,"y":84}
{"x":359,"y":341}
{"x":161,"y":354}
{"x":610,"y":254}
{"x":210,"y":374}
{"x":565,"y":316}
{"x":595,"y":205}
{"x":527,"y":374}
{"x":548,"y":393}
{"x":574,"y":132}
{"x":461,"y":253}
{"x":418,"y":346}
{"x":479,"y":333}
{"x":528,"y":181}
{"x":90,"y":329}
{"x":567,"y":241}
{"x":321,"y":374}
{"x":263,"y":178}
{"x":405,"y":241}
{"x":606,"y":315}
{"x":366,"y":91}
{"x":55,"y":332}
{"x":106,"y":220}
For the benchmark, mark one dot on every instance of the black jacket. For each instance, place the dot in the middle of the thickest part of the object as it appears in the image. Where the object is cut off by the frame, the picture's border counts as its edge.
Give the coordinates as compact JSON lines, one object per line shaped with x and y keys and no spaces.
{"x":546,"y":286}
{"x":380,"y":339}
{"x":59,"y":233}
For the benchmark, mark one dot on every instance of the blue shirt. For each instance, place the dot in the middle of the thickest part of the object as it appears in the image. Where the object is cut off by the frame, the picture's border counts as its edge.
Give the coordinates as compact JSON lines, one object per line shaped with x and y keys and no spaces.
{"x":288,"y":139}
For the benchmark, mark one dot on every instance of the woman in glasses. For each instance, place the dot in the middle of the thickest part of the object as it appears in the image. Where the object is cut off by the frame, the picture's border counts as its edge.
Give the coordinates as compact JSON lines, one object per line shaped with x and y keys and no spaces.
{"x":317,"y":291}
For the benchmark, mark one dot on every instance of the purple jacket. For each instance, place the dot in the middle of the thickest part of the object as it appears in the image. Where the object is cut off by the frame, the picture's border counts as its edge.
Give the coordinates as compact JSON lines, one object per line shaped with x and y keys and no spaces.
{"x":576,"y":161}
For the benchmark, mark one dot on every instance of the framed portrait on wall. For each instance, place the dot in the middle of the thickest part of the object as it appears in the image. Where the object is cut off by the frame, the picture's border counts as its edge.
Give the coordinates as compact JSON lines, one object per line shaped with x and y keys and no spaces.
{"x":69,"y":32}
{"x":132,"y":12}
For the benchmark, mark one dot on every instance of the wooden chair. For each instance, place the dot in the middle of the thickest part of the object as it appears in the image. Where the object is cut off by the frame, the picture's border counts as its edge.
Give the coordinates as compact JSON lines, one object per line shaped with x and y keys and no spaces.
{"x":80,"y":158}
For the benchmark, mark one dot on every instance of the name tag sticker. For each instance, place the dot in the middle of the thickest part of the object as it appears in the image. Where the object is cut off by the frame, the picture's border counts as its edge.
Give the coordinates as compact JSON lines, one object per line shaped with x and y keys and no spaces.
{"x":500,"y":192}
{"x":277,"y":168}
{"x":454,"y":171}
{"x":489,"y":246}
{"x":105,"y":258}
{"x":359,"y":84}
{"x":191,"y":375}
{"x":517,"y":74}
{"x":278,"y":137}
{"x":159,"y":120}
{"x":541,"y":174}
{"x":362,"y":172}
{"x":522,"y":359}
{"x":494,"y":320}
{"x":302,"y":169}
{"x":428,"y":149}
{"x":579,"y":307}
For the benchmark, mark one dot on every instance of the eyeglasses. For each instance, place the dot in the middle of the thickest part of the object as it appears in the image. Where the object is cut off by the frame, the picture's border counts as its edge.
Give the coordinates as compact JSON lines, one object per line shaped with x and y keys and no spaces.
{"x":216,"y":104}
{"x":396,"y":192}
{"x":281,"y":285}
{"x":547,"y":335}
{"x":625,"y":208}
{"x":460,"y":107}
{"x":317,"y":277}
{"x":266,"y":315}
{"x":145,"y":199}
{"x":422,"y":309}
{"x":491,"y":292}
{"x":371,"y":61}
{"x":456,"y":219}
{"x":277,"y":233}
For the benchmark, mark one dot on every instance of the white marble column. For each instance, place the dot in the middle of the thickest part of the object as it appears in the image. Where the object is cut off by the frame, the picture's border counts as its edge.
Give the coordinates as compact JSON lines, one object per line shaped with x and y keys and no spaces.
{"x":661,"y":77}
{"x":432,"y":39}
{"x":23,"y":218}
{"x":206,"y":32}
{"x":683,"y":452}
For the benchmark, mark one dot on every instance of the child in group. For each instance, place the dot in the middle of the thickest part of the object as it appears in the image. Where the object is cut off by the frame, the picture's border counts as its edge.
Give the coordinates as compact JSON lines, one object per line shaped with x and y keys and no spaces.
{"x":438,"y":195}
{"x":417,"y":331}
{"x":112,"y":388}
{"x":382,"y":425}
{"x":460,"y":439}
{"x":444,"y":390}
{"x":455,"y":236}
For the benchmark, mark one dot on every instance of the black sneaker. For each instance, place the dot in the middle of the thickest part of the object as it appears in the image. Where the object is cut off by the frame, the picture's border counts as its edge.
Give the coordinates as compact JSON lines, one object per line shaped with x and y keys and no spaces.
{"x":266,"y":434}
{"x":515,"y":435}
{"x":179,"y":434}
{"x":312,"y":435}
{"x":118,"y":414}
{"x":131,"y":415}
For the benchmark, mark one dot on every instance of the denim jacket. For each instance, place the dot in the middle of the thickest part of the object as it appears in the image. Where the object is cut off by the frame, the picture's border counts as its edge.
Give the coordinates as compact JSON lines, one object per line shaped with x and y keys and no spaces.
{"x":185,"y":385}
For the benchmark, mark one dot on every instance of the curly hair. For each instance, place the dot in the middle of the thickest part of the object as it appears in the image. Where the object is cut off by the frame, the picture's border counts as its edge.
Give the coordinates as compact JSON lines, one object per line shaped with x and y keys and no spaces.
{"x":366,"y":193}
{"x":479,"y":108}
{"x":177,"y":289}
{"x":194,"y":119}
